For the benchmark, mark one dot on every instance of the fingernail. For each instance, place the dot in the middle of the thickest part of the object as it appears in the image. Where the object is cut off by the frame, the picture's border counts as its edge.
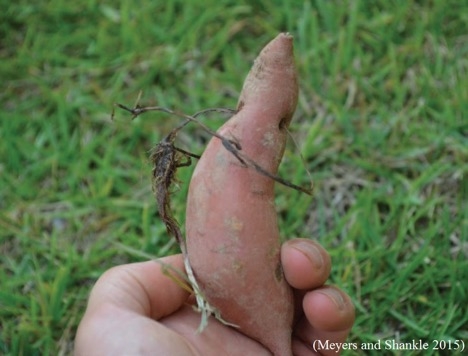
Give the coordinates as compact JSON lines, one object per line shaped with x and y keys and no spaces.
{"x":335,"y":296}
{"x":310,"y":251}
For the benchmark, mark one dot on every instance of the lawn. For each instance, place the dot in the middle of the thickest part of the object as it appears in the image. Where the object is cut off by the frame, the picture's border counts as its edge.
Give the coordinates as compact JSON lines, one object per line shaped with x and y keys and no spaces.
{"x":382,"y":124}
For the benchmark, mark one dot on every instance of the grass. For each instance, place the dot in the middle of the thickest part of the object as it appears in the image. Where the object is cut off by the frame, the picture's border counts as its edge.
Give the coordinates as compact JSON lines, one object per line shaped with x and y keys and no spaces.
{"x":382,"y":123}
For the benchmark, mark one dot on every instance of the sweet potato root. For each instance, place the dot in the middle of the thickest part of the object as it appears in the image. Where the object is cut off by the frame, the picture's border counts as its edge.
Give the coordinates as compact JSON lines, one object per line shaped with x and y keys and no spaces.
{"x":233,"y":242}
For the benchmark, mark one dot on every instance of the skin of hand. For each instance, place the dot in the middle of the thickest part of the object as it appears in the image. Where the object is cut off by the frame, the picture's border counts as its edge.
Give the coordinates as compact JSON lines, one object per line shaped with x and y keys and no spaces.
{"x":136,"y":309}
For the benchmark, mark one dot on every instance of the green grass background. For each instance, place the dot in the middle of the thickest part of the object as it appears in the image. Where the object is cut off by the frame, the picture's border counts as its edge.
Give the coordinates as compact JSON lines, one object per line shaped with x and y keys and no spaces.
{"x":382,"y":123}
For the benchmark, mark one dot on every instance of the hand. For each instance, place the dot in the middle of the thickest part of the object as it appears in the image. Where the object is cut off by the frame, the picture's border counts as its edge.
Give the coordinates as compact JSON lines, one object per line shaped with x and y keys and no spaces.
{"x":136,"y":309}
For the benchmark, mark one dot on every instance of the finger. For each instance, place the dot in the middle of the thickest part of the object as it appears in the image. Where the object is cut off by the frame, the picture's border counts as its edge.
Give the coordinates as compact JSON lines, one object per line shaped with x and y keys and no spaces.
{"x":328,"y":317}
{"x":144,"y":288}
{"x":306,"y":264}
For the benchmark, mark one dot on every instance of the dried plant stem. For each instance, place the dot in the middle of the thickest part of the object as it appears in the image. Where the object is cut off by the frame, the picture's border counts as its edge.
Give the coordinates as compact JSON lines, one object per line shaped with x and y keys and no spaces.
{"x":166,"y":158}
{"x":232,"y":145}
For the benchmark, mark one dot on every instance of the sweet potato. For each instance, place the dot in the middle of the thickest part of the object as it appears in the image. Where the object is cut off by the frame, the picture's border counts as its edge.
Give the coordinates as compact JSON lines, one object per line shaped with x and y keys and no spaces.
{"x":233,"y":241}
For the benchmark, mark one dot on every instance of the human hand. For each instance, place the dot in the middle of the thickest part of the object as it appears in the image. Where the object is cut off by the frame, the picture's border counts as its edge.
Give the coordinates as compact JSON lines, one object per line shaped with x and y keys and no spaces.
{"x":136,"y":309}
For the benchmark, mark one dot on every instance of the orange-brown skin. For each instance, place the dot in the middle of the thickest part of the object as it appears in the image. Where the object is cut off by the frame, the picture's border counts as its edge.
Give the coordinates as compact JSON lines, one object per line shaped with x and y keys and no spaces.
{"x":233,"y":241}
